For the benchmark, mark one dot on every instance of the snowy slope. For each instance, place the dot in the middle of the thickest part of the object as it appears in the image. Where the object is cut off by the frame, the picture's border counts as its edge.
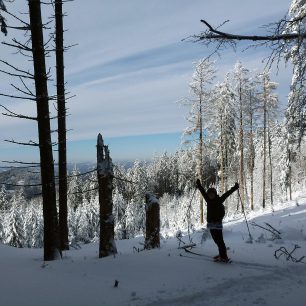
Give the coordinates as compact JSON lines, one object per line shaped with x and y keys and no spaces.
{"x":163,"y":277}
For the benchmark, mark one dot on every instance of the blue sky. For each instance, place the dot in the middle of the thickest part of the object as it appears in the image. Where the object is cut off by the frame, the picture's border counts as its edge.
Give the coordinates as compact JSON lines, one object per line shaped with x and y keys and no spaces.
{"x":129,"y":69}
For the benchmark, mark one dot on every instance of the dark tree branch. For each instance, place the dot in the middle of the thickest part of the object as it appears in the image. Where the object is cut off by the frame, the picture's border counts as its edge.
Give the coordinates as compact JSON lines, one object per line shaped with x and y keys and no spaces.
{"x":213,"y":33}
{"x":20,"y":47}
{"x":22,"y":91}
{"x":12,"y":114}
{"x":17,"y":97}
{"x":30,"y":143}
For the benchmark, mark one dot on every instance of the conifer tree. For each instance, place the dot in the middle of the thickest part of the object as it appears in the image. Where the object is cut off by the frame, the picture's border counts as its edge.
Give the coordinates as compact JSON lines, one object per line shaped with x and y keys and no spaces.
{"x":200,"y":112}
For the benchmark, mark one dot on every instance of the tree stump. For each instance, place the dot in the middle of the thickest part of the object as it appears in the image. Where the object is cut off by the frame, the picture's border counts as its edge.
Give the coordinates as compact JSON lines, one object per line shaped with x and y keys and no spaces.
{"x":152,"y":239}
{"x":105,"y":180}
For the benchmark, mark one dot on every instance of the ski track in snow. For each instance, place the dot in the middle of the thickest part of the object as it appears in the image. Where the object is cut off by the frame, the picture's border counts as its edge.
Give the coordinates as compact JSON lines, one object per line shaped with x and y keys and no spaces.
{"x":163,"y":277}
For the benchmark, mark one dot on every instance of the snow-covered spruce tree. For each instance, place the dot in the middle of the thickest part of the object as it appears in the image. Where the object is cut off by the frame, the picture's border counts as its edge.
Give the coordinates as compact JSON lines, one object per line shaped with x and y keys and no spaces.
{"x":3,"y":198}
{"x":135,"y":209}
{"x":296,"y":110}
{"x":75,"y":196}
{"x":200,"y":112}
{"x":187,"y":164}
{"x":33,"y":225}
{"x":296,"y":53}
{"x":3,"y":208}
{"x":269,"y":103}
{"x":13,"y":226}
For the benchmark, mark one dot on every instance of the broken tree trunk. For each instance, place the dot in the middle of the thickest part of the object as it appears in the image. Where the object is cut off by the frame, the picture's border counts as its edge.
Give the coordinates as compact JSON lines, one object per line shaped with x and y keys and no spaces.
{"x":152,"y":223}
{"x":105,"y":180}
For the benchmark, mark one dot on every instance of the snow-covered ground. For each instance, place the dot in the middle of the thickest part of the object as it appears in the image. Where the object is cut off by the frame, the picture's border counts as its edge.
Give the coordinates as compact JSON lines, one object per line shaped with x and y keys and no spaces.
{"x":167,"y":276}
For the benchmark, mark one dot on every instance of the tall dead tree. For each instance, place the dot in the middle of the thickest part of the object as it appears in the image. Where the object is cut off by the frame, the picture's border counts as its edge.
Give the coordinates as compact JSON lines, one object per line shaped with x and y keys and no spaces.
{"x":241,"y":145}
{"x":105,"y":180}
{"x":264,"y":147}
{"x":36,"y":46}
{"x":61,"y":121}
{"x":51,"y":233}
{"x":251,"y":159}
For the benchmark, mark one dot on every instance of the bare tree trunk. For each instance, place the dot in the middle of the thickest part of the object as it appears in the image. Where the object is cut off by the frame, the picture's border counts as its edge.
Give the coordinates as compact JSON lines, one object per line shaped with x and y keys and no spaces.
{"x":105,"y":180}
{"x":152,"y":223}
{"x":61,"y":111}
{"x":264,"y":148}
{"x":289,"y":175}
{"x":241,"y":144}
{"x":271,"y":165}
{"x":222,"y":158}
{"x":51,"y":234}
{"x":252,"y":157}
{"x":201,"y":158}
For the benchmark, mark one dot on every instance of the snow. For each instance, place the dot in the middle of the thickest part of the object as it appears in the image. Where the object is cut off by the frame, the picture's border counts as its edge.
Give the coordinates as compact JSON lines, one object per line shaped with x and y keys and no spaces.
{"x":167,"y":276}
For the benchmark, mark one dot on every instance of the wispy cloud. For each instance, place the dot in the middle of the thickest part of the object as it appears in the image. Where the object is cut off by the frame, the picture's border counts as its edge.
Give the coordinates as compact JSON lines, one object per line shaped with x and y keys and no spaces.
{"x":130,"y":65}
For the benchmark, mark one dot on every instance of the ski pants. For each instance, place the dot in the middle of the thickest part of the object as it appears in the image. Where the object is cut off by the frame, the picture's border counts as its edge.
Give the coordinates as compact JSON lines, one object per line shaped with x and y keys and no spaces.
{"x":217,"y":236}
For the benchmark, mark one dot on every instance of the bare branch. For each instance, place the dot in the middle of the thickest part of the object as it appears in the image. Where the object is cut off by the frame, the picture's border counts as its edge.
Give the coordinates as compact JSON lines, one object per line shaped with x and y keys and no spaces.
{"x":17,"y":97}
{"x":213,"y":33}
{"x":22,"y":91}
{"x":30,"y":143}
{"x":20,"y":20}
{"x":17,"y":46}
{"x":17,"y":75}
{"x":12,"y":114}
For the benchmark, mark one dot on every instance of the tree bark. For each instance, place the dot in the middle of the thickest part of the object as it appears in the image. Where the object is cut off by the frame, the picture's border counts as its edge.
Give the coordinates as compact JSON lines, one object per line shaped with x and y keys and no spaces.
{"x":222,"y":166}
{"x":201,"y":155}
{"x":264,"y":148}
{"x":61,"y":111}
{"x":51,"y":234}
{"x":271,"y":164}
{"x":152,"y":239}
{"x":241,"y":144}
{"x":105,"y":180}
{"x":252,"y":158}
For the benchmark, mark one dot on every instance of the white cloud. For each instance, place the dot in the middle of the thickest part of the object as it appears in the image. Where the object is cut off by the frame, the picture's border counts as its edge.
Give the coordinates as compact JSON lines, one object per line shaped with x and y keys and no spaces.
{"x":130,"y":67}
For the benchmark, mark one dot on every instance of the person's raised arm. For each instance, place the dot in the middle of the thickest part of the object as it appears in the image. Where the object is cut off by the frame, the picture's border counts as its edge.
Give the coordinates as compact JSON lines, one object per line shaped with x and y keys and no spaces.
{"x":202,"y":190}
{"x":229,"y":192}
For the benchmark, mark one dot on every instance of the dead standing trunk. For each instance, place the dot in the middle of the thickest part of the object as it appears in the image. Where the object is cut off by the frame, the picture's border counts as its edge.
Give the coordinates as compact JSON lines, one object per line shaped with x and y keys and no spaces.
{"x":51,"y":234}
{"x":271,"y":165}
{"x":105,"y":180}
{"x":241,"y":147}
{"x":264,"y":147}
{"x":61,"y":111}
{"x":201,"y":166}
{"x":152,"y":239}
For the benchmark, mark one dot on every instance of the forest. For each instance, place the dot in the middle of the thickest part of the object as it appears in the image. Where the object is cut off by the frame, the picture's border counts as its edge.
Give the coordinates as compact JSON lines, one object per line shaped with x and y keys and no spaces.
{"x":145,"y":231}
{"x":236,"y":131}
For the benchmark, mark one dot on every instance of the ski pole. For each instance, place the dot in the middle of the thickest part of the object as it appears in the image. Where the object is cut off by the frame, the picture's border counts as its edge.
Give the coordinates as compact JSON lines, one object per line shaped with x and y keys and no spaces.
{"x":246,"y":221}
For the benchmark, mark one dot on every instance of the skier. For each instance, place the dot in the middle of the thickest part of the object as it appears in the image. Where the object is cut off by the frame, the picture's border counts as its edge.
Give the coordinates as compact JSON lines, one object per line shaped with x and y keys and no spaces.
{"x":215,"y":214}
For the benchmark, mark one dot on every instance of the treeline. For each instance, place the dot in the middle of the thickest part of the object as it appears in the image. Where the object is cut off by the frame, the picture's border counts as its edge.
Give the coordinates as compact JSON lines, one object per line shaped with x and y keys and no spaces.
{"x":170,"y":176}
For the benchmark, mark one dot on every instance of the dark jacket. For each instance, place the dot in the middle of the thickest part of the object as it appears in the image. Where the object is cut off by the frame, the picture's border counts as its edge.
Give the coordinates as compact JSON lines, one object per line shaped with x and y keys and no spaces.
{"x":215,"y":207}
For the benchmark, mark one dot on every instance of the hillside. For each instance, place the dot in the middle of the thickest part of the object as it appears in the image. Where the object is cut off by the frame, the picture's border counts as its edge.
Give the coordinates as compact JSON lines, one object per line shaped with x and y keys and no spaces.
{"x":168,"y":276}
